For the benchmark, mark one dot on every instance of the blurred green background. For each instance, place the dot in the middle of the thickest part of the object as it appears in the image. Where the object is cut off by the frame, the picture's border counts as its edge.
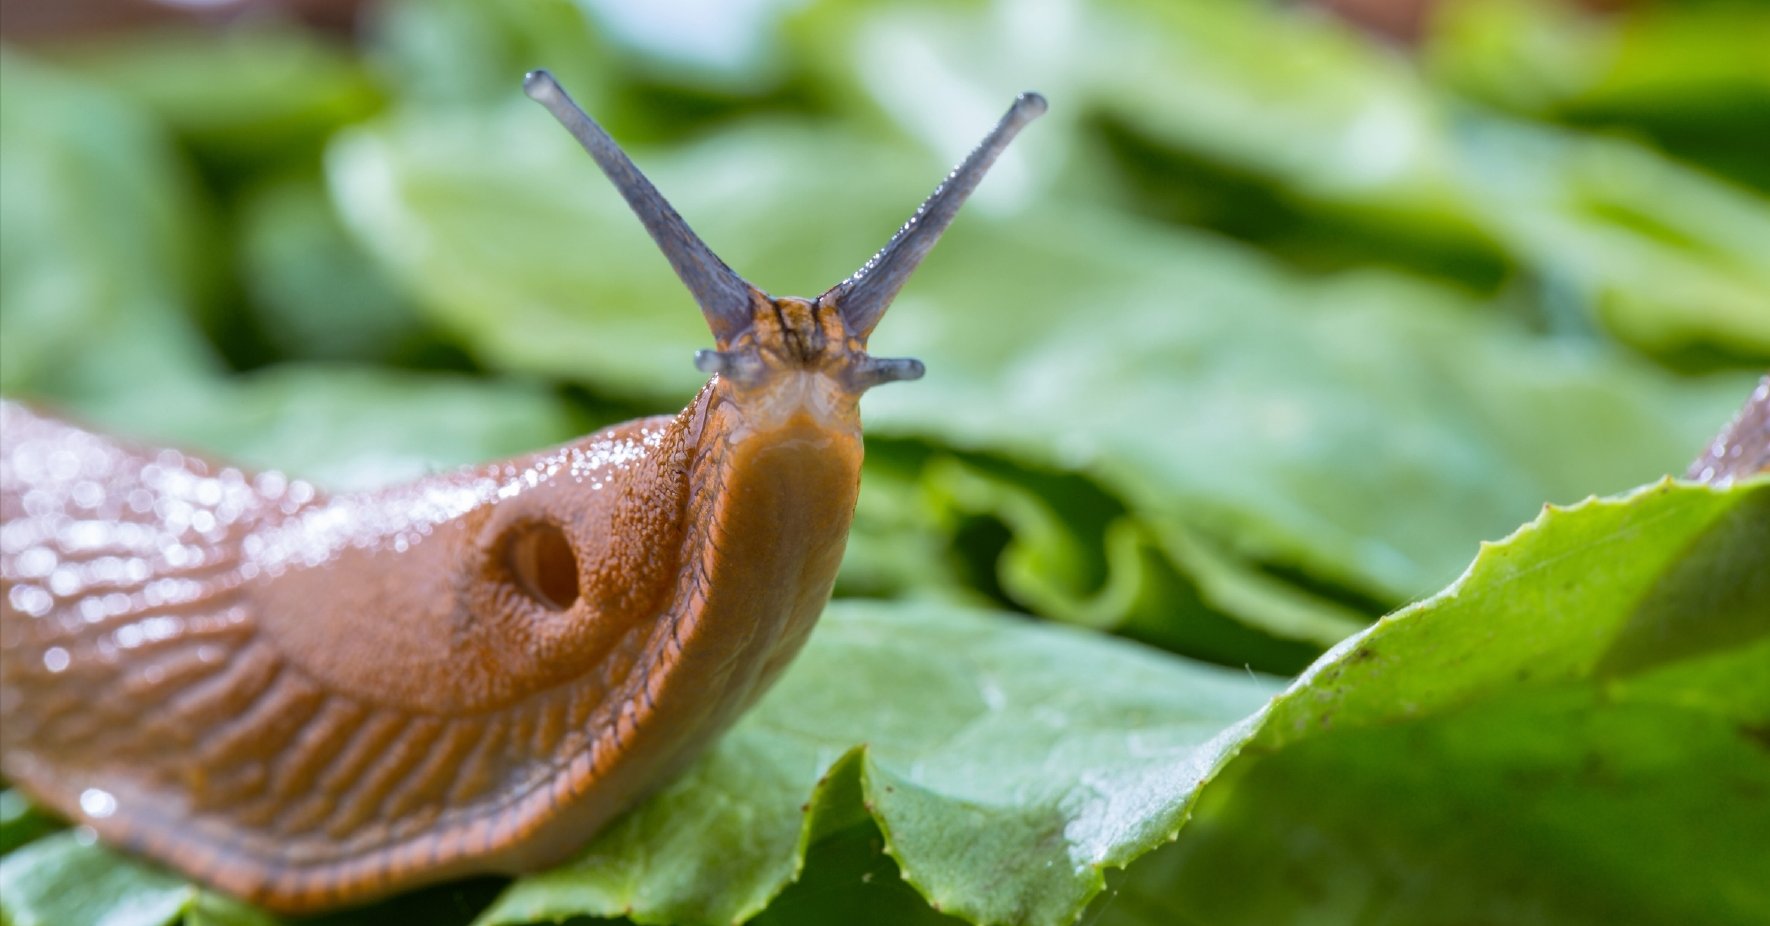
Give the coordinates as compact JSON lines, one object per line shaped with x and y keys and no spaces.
{"x":1279,"y":312}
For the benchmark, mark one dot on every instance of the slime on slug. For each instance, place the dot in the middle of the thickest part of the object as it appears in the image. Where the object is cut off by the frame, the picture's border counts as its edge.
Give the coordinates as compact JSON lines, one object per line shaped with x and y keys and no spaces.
{"x":314,"y":700}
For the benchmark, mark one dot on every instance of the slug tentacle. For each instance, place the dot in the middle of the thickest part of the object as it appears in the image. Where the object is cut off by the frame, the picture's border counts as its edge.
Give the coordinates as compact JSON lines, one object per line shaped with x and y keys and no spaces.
{"x":741,"y":366}
{"x":218,"y":682}
{"x":312,"y":700}
{"x":864,"y":296}
{"x":725,"y":298}
{"x":874,"y":371}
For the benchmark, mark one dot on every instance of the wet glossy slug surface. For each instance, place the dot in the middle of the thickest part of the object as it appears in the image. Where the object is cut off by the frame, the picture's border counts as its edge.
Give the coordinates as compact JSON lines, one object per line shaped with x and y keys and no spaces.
{"x":254,"y":680}
{"x":313,"y":700}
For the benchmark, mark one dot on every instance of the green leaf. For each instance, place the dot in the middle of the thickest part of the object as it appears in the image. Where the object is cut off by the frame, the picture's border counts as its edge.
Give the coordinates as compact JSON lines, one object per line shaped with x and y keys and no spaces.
{"x":1090,"y":562}
{"x":346,"y":428}
{"x":218,"y":910}
{"x":1686,"y":77}
{"x":66,"y":880}
{"x":1581,"y":595}
{"x":96,"y":242}
{"x":530,"y":226}
{"x":21,"y":821}
{"x":313,"y":293}
{"x":1006,"y":763}
{"x":1364,"y":429}
{"x":1660,"y":253}
{"x":849,"y":878}
{"x":1327,"y":147}
{"x":71,"y":879}
{"x":448,"y":52}
{"x":894,"y":548}
{"x":1572,"y":733}
{"x":241,"y":96}
{"x":452,"y":904}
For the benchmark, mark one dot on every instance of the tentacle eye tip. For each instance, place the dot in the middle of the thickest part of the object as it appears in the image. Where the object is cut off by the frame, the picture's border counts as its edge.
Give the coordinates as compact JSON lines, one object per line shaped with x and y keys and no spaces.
{"x":905,"y":369}
{"x":539,"y":84}
{"x":740,"y":365}
{"x":710,"y":361}
{"x":874,"y":371}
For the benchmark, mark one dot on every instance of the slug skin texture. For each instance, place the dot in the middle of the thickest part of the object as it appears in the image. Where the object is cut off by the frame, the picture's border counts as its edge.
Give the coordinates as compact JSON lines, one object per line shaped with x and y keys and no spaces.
{"x":312,"y":700}
{"x":305,"y":699}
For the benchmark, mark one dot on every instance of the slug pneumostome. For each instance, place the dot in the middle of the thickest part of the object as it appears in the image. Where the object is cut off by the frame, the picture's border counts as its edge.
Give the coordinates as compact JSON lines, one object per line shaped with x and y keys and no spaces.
{"x":312,"y":700}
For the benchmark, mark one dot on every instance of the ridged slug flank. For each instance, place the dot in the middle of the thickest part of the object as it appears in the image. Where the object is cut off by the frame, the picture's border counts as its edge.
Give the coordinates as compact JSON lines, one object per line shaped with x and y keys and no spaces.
{"x":311,"y":700}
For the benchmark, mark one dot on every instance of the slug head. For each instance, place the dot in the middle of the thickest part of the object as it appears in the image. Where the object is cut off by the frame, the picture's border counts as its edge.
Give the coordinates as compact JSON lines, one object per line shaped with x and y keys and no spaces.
{"x":806,"y":351}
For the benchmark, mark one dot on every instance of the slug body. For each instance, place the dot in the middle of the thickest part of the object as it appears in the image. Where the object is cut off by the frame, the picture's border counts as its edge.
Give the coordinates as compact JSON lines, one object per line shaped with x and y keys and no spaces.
{"x":312,"y":701}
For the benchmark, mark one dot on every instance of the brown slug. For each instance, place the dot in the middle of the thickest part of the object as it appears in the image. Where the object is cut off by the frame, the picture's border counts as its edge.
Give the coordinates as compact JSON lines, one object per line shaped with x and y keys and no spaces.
{"x":310,"y":700}
{"x":1742,"y":449}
